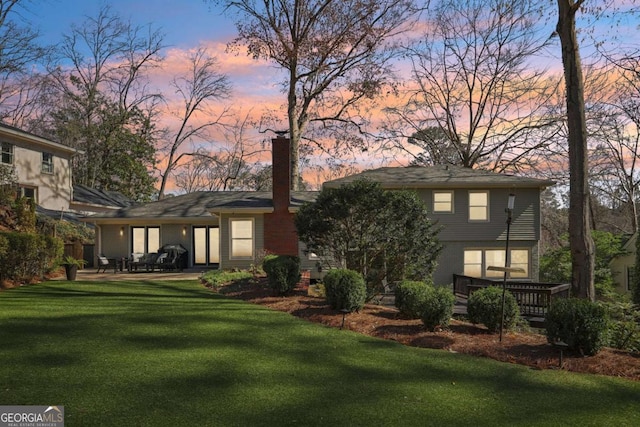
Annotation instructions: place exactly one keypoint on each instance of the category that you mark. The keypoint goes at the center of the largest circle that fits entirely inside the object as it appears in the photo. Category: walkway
(89, 274)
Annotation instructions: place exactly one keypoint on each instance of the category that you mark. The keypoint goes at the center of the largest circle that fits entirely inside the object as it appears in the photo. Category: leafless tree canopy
(335, 55)
(475, 85)
(201, 87)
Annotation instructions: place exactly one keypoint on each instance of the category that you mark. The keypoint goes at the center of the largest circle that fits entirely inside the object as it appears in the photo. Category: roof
(92, 196)
(441, 177)
(203, 204)
(35, 139)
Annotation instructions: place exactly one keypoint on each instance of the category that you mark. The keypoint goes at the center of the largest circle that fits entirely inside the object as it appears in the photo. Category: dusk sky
(186, 24)
(189, 24)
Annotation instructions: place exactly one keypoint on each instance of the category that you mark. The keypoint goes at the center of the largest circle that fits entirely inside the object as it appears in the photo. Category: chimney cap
(281, 133)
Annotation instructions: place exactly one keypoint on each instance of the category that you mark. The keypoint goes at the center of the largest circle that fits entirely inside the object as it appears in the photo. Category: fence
(533, 298)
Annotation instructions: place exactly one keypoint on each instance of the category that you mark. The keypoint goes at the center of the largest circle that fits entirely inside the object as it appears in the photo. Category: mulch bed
(524, 348)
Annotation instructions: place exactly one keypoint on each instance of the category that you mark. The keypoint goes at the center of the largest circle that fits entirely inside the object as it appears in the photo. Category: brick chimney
(281, 172)
(280, 236)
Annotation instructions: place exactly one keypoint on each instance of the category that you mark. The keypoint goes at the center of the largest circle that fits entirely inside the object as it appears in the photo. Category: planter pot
(71, 271)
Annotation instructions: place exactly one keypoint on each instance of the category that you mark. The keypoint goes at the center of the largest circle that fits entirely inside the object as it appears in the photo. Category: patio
(89, 274)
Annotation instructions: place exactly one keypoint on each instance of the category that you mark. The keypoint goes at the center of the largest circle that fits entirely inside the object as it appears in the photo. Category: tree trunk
(294, 130)
(580, 241)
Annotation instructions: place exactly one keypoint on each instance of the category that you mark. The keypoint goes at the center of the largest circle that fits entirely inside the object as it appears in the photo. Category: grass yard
(174, 354)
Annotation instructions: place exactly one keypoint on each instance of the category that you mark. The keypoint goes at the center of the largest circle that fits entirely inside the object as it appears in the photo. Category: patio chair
(104, 263)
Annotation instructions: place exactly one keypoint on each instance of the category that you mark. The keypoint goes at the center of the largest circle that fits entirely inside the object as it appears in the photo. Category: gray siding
(457, 227)
(225, 242)
(113, 245)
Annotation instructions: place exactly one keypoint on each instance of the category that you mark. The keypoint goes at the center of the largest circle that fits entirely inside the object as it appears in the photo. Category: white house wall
(54, 190)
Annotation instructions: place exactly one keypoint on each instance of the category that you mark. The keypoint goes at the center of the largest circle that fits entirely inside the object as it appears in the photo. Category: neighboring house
(623, 265)
(42, 167)
(43, 171)
(220, 229)
(87, 200)
(469, 205)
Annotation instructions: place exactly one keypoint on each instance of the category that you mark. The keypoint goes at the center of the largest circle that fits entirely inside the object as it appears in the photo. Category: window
(7, 153)
(476, 262)
(478, 206)
(47, 163)
(241, 238)
(473, 263)
(145, 239)
(28, 192)
(443, 201)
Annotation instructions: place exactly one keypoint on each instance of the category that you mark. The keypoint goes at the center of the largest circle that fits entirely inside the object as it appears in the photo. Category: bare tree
(615, 167)
(336, 55)
(476, 99)
(19, 53)
(231, 166)
(102, 104)
(203, 85)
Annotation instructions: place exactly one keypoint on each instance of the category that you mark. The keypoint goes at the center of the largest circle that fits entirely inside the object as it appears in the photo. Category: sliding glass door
(206, 245)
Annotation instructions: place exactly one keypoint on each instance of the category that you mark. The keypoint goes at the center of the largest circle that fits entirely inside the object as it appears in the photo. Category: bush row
(345, 290)
(28, 255)
(580, 324)
(485, 306)
(283, 272)
(421, 300)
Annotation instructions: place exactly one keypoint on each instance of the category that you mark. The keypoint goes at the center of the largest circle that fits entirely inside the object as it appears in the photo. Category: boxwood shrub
(485, 307)
(437, 307)
(579, 323)
(283, 272)
(345, 289)
(410, 297)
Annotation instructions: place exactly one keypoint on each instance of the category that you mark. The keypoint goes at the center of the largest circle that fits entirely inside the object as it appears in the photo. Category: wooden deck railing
(533, 298)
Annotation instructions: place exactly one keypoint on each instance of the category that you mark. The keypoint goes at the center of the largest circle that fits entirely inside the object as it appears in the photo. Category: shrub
(345, 289)
(437, 307)
(579, 323)
(624, 326)
(485, 306)
(28, 256)
(217, 278)
(409, 298)
(267, 262)
(283, 272)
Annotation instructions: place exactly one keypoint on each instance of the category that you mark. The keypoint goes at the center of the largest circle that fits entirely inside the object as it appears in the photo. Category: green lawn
(174, 354)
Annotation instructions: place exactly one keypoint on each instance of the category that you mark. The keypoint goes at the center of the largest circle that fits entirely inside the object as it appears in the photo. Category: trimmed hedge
(410, 298)
(485, 307)
(345, 289)
(283, 272)
(437, 308)
(579, 323)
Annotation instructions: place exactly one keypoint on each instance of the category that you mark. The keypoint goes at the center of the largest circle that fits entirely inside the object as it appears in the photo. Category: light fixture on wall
(121, 231)
(184, 230)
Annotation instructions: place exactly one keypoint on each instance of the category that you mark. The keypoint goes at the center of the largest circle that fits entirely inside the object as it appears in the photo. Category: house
(219, 229)
(87, 200)
(42, 167)
(622, 266)
(227, 229)
(469, 205)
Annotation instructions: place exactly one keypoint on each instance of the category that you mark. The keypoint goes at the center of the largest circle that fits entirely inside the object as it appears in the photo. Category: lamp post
(507, 258)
